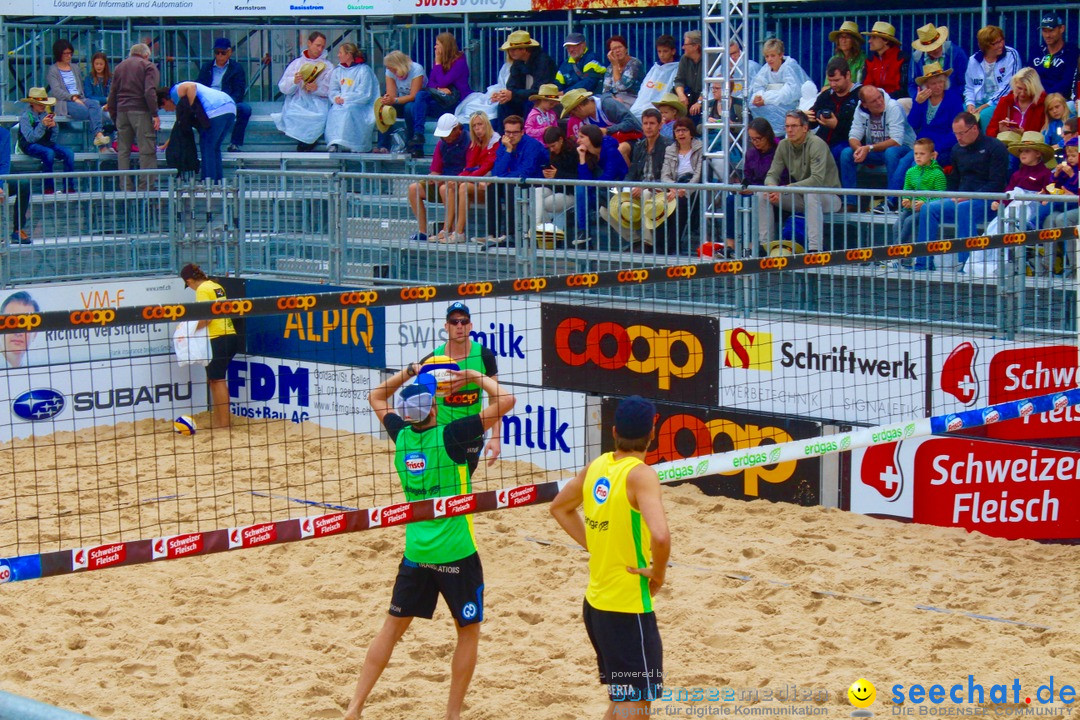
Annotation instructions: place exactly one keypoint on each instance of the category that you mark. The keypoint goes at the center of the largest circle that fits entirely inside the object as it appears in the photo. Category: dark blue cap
(458, 307)
(634, 417)
(1051, 20)
(574, 38)
(223, 44)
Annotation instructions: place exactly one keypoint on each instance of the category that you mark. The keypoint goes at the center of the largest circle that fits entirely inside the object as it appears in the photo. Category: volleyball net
(751, 402)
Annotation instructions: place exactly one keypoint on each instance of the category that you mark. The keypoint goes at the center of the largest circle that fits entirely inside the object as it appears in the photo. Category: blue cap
(415, 400)
(1051, 20)
(223, 44)
(634, 417)
(458, 307)
(574, 39)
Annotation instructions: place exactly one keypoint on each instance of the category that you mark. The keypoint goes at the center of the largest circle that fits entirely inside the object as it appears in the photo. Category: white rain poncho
(303, 116)
(780, 90)
(656, 83)
(352, 123)
(481, 101)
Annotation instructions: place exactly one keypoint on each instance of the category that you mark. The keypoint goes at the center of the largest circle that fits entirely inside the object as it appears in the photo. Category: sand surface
(761, 597)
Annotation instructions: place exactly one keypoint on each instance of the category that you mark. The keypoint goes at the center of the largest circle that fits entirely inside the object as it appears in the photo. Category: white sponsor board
(94, 337)
(39, 401)
(509, 327)
(261, 8)
(546, 428)
(333, 396)
(821, 371)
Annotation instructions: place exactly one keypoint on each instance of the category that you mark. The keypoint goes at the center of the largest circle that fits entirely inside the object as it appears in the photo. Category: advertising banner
(260, 8)
(352, 334)
(685, 432)
(665, 356)
(38, 401)
(93, 335)
(1001, 489)
(509, 327)
(972, 373)
(873, 376)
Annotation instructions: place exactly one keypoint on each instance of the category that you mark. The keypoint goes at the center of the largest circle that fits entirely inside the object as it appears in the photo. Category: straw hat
(572, 99)
(1009, 137)
(779, 248)
(624, 211)
(549, 236)
(930, 38)
(671, 100)
(309, 71)
(1033, 140)
(849, 28)
(547, 91)
(932, 70)
(39, 95)
(385, 115)
(883, 30)
(519, 39)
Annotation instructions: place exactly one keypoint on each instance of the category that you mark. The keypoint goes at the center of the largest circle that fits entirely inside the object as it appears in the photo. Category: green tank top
(427, 471)
(468, 400)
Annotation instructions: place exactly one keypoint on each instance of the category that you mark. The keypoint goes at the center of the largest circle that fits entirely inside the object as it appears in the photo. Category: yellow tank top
(617, 538)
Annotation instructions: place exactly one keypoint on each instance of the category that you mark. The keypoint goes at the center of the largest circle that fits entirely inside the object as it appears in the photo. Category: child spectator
(38, 133)
(671, 109)
(1057, 112)
(543, 114)
(1066, 175)
(924, 175)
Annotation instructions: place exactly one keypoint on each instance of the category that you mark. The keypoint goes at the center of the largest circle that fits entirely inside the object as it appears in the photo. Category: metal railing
(368, 228)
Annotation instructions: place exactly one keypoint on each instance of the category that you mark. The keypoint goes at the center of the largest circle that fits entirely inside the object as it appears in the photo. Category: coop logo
(659, 358)
(299, 302)
(682, 271)
(773, 263)
(365, 297)
(817, 259)
(881, 470)
(1014, 238)
(601, 490)
(941, 246)
(231, 307)
(858, 254)
(747, 350)
(478, 288)
(728, 267)
(164, 312)
(41, 404)
(632, 276)
(899, 250)
(958, 376)
(527, 284)
(415, 463)
(1050, 234)
(582, 280)
(20, 322)
(92, 317)
(749, 439)
(976, 243)
(425, 292)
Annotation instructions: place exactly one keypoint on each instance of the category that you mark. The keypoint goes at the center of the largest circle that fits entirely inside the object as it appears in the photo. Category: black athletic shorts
(223, 348)
(461, 583)
(628, 652)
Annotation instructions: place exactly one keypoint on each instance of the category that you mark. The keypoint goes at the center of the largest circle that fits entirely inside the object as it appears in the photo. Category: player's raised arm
(379, 397)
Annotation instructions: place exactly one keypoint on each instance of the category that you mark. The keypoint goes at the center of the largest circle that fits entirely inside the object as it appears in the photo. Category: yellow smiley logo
(862, 694)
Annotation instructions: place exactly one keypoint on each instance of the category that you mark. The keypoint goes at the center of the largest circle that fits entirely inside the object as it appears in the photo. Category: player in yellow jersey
(224, 342)
(626, 533)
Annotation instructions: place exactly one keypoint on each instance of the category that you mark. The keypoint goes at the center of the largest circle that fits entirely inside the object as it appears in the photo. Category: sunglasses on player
(459, 321)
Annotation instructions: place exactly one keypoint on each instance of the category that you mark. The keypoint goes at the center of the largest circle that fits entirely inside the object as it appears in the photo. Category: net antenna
(723, 22)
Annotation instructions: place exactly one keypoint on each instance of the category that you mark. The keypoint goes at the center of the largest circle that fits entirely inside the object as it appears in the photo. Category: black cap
(1051, 20)
(634, 417)
(458, 307)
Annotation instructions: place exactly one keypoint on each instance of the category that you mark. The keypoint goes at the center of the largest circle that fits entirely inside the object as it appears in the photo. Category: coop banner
(38, 401)
(873, 376)
(1001, 489)
(684, 432)
(260, 8)
(971, 373)
(352, 334)
(508, 327)
(94, 335)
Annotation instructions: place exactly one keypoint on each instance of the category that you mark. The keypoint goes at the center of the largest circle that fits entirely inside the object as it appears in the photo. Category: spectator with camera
(834, 109)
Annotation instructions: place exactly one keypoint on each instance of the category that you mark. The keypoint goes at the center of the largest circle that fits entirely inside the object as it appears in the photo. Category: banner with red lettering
(1002, 489)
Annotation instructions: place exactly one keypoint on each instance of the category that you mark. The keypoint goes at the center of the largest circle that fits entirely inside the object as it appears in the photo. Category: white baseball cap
(414, 401)
(447, 123)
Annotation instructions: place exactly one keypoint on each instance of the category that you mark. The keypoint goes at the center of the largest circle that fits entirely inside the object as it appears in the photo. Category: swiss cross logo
(176, 546)
(958, 376)
(881, 470)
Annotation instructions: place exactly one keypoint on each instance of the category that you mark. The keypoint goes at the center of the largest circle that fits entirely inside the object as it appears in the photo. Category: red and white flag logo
(881, 470)
(958, 376)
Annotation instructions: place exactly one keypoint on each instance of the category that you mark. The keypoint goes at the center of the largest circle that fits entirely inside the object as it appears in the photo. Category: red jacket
(478, 160)
(888, 72)
(1033, 119)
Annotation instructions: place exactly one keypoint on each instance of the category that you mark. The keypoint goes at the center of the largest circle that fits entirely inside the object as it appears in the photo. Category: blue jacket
(982, 166)
(612, 165)
(586, 72)
(234, 83)
(952, 57)
(527, 161)
(940, 128)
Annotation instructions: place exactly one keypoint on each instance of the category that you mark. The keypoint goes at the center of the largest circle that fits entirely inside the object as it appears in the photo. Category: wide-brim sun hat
(849, 28)
(385, 115)
(671, 100)
(572, 99)
(883, 30)
(657, 210)
(309, 71)
(1033, 140)
(39, 95)
(519, 39)
(932, 70)
(547, 91)
(929, 37)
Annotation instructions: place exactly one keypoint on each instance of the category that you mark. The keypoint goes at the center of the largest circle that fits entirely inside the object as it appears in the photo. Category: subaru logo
(42, 404)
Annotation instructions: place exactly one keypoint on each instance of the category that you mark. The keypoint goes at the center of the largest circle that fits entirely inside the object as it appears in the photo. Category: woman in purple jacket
(447, 84)
(759, 156)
